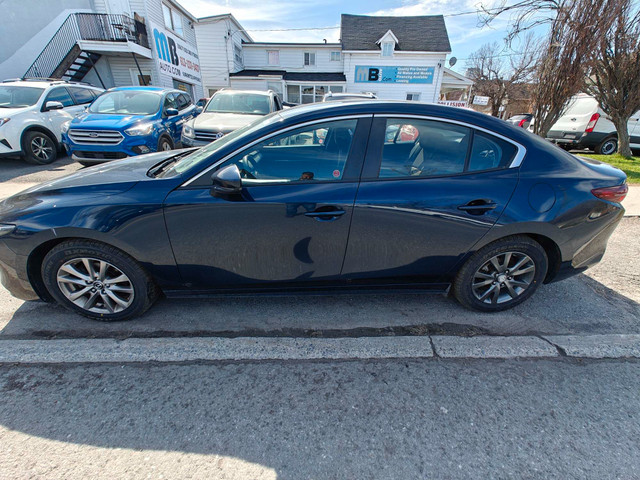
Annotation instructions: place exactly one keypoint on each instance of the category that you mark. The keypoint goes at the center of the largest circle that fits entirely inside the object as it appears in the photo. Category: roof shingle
(424, 33)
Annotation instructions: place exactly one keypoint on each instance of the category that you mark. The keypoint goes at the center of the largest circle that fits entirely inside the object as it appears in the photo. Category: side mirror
(53, 105)
(171, 112)
(227, 180)
(199, 110)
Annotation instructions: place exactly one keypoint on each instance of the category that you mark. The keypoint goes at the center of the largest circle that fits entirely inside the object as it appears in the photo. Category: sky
(263, 19)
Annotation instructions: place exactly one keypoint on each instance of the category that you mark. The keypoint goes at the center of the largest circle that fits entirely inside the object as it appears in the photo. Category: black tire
(144, 290)
(608, 146)
(517, 245)
(165, 144)
(38, 148)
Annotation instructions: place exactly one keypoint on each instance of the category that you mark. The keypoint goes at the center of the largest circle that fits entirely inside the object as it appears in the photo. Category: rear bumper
(576, 139)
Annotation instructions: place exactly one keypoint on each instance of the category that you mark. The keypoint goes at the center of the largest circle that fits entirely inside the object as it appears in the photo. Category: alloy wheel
(166, 147)
(41, 148)
(503, 277)
(95, 285)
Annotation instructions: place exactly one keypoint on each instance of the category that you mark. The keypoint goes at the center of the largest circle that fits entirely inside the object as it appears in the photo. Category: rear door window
(423, 148)
(82, 96)
(183, 101)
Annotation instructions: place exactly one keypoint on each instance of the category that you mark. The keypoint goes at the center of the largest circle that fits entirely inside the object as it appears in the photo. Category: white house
(394, 57)
(103, 42)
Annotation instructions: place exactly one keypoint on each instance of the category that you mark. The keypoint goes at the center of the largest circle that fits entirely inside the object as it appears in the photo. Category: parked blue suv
(128, 121)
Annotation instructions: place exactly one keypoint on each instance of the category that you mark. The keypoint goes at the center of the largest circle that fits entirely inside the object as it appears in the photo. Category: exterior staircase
(63, 56)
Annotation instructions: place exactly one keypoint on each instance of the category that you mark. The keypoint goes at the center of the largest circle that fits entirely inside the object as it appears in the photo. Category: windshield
(15, 97)
(201, 155)
(127, 102)
(234, 102)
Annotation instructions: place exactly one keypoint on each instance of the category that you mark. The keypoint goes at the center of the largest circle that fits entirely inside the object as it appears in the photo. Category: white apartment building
(106, 43)
(399, 58)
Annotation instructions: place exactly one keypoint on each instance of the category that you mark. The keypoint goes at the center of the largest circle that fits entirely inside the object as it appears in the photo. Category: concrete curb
(492, 347)
(598, 346)
(286, 348)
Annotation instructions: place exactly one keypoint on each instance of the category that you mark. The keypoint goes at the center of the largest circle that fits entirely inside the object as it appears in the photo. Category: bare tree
(565, 55)
(615, 71)
(494, 77)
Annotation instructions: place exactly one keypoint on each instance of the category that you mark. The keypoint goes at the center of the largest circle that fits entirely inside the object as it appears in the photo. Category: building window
(172, 19)
(413, 96)
(310, 93)
(273, 57)
(387, 49)
(293, 93)
(309, 59)
(335, 56)
(237, 54)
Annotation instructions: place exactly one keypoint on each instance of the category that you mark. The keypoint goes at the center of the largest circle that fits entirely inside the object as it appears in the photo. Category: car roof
(145, 89)
(46, 83)
(258, 92)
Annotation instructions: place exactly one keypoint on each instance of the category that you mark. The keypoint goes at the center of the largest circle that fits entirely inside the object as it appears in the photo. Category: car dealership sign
(175, 57)
(367, 74)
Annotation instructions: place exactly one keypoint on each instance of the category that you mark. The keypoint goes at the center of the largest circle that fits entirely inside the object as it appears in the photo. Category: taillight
(592, 123)
(611, 194)
(521, 124)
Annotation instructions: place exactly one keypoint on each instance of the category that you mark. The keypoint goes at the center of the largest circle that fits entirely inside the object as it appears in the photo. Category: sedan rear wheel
(501, 275)
(97, 281)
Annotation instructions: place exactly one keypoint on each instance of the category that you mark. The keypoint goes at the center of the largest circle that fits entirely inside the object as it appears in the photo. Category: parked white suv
(32, 113)
(585, 125)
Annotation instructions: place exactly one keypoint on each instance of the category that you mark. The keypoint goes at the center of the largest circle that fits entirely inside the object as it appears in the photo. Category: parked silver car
(226, 111)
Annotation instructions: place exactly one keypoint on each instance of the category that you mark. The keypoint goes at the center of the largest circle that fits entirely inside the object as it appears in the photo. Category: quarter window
(490, 152)
(423, 148)
(308, 154)
(60, 95)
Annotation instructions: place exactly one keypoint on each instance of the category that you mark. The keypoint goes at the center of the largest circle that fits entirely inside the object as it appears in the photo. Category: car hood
(9, 112)
(90, 121)
(223, 122)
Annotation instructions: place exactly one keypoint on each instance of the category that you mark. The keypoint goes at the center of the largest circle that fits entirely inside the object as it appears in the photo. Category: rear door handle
(325, 215)
(478, 207)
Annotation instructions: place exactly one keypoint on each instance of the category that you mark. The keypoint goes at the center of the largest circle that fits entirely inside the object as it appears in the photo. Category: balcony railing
(86, 26)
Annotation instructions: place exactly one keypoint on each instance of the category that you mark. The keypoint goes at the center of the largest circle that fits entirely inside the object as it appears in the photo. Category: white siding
(429, 92)
(292, 58)
(243, 84)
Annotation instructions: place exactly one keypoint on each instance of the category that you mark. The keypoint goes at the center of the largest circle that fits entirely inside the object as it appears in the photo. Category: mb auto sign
(367, 74)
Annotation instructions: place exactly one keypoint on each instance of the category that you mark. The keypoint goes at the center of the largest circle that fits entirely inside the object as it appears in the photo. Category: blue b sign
(366, 74)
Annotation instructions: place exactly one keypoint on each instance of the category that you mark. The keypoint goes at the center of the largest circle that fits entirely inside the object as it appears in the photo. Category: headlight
(142, 129)
(65, 126)
(4, 120)
(6, 229)
(187, 131)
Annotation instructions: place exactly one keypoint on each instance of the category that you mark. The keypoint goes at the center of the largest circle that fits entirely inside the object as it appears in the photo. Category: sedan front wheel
(97, 281)
(501, 275)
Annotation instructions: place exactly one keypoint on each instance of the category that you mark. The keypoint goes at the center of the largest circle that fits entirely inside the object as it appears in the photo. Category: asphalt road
(408, 419)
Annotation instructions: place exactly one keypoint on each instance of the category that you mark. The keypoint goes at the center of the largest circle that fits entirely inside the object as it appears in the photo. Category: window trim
(331, 59)
(517, 159)
(195, 177)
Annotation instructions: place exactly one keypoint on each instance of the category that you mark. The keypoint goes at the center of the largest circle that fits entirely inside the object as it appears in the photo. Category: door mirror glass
(53, 105)
(171, 112)
(227, 180)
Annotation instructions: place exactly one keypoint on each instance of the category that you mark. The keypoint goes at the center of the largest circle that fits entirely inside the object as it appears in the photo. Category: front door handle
(478, 207)
(325, 215)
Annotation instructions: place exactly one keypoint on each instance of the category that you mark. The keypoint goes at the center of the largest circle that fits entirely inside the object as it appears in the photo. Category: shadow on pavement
(579, 305)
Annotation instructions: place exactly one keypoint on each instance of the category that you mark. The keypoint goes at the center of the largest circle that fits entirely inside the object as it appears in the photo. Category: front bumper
(192, 142)
(13, 274)
(94, 154)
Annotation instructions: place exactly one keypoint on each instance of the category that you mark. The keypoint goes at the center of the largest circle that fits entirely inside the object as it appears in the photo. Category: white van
(585, 125)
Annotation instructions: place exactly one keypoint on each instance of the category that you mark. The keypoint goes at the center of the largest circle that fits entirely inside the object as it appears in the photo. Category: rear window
(581, 106)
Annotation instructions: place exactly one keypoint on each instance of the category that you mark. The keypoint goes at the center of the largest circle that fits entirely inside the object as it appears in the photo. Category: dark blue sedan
(323, 198)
